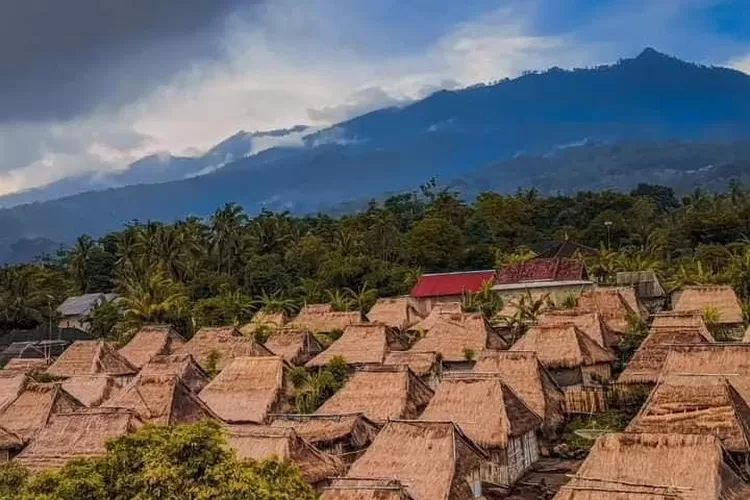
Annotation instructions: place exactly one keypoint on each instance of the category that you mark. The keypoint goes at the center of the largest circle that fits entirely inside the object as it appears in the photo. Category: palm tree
(226, 225)
(738, 271)
(310, 290)
(276, 303)
(693, 274)
(340, 301)
(154, 298)
(412, 276)
(78, 259)
(363, 299)
(604, 265)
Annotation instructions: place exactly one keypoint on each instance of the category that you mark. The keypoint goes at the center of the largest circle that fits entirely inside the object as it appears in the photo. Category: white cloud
(741, 63)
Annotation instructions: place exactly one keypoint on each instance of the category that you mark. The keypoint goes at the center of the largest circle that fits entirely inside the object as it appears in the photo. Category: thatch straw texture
(381, 393)
(321, 318)
(365, 489)
(654, 466)
(26, 365)
(362, 344)
(248, 389)
(92, 390)
(483, 406)
(589, 322)
(161, 399)
(432, 459)
(523, 372)
(266, 320)
(439, 312)
(9, 440)
(226, 342)
(396, 312)
(260, 442)
(563, 347)
(701, 298)
(696, 404)
(295, 346)
(76, 435)
(324, 430)
(91, 357)
(421, 363)
(11, 385)
(32, 408)
(150, 341)
(646, 365)
(613, 306)
(453, 337)
(723, 359)
(180, 365)
(681, 319)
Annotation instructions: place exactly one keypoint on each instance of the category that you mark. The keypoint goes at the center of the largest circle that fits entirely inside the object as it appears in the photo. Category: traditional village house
(428, 365)
(730, 359)
(261, 442)
(440, 311)
(648, 288)
(396, 312)
(26, 365)
(361, 345)
(92, 390)
(717, 302)
(697, 404)
(249, 389)
(645, 367)
(494, 417)
(32, 352)
(344, 436)
(163, 400)
(459, 339)
(589, 321)
(92, 357)
(76, 435)
(215, 348)
(523, 372)
(380, 393)
(34, 406)
(264, 319)
(617, 306)
(297, 347)
(434, 460)
(74, 310)
(10, 444)
(150, 341)
(432, 289)
(680, 319)
(558, 278)
(12, 384)
(655, 467)
(365, 489)
(321, 318)
(180, 365)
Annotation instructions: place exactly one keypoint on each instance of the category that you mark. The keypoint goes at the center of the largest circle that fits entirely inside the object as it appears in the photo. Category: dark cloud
(61, 58)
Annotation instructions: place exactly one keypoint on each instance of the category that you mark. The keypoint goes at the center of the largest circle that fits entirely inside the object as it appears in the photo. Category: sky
(90, 86)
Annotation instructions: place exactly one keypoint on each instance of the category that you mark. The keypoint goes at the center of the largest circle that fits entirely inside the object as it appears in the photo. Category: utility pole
(608, 224)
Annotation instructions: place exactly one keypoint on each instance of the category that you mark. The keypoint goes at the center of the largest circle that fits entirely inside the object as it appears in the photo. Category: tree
(78, 260)
(435, 244)
(276, 303)
(102, 318)
(312, 389)
(230, 307)
(226, 225)
(363, 299)
(153, 298)
(340, 301)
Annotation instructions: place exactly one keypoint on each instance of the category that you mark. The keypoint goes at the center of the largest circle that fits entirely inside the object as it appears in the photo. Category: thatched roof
(91, 357)
(30, 411)
(421, 363)
(646, 364)
(654, 466)
(483, 406)
(646, 283)
(365, 489)
(696, 404)
(248, 389)
(523, 372)
(295, 346)
(453, 336)
(381, 393)
(266, 319)
(361, 344)
(432, 459)
(260, 442)
(719, 358)
(9, 440)
(680, 319)
(150, 341)
(563, 347)
(396, 312)
(227, 342)
(439, 311)
(76, 435)
(26, 365)
(181, 365)
(719, 297)
(614, 304)
(161, 399)
(321, 318)
(589, 321)
(92, 390)
(11, 385)
(321, 430)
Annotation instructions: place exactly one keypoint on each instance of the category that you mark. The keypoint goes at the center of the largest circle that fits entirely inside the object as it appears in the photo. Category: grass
(610, 421)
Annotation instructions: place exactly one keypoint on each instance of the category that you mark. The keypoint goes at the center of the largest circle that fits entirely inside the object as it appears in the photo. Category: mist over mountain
(652, 118)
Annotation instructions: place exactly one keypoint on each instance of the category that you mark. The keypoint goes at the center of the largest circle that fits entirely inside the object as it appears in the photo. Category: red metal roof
(541, 270)
(447, 284)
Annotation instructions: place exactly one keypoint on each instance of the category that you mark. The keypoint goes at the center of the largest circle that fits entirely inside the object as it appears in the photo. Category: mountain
(558, 129)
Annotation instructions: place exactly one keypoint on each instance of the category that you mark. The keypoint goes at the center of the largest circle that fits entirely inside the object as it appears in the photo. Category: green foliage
(312, 389)
(485, 301)
(568, 302)
(103, 318)
(469, 354)
(212, 361)
(261, 333)
(230, 307)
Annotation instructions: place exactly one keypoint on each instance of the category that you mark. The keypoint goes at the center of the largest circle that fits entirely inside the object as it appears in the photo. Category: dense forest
(221, 270)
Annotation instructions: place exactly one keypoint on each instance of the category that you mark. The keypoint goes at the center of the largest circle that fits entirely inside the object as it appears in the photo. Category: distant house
(558, 277)
(183, 366)
(297, 347)
(433, 289)
(12, 383)
(219, 346)
(494, 417)
(440, 311)
(38, 350)
(589, 321)
(360, 345)
(730, 359)
(648, 288)
(618, 306)
(74, 310)
(150, 341)
(26, 365)
(92, 390)
(28, 413)
(321, 318)
(396, 312)
(427, 365)
(92, 357)
(365, 489)
(715, 300)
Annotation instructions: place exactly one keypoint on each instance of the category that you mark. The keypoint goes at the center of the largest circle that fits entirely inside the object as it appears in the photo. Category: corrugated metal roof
(450, 284)
(82, 304)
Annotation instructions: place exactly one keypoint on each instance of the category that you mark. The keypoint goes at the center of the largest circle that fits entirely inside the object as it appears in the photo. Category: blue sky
(255, 64)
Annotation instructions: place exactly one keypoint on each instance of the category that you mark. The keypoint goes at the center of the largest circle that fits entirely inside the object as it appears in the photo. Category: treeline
(221, 270)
